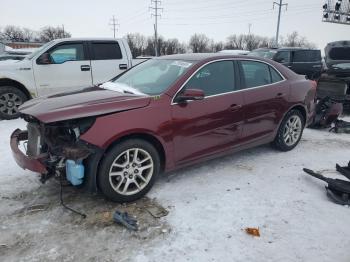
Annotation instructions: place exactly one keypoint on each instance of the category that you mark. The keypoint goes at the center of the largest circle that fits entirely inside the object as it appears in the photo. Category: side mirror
(44, 59)
(190, 95)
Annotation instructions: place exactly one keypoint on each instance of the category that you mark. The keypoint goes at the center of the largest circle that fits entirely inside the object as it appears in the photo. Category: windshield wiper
(121, 88)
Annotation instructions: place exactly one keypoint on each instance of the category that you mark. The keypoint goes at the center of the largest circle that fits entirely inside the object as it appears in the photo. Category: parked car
(234, 52)
(335, 80)
(61, 65)
(5, 57)
(163, 114)
(302, 61)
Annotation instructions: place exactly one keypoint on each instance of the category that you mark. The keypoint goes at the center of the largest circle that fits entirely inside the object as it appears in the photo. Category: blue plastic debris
(75, 172)
(124, 219)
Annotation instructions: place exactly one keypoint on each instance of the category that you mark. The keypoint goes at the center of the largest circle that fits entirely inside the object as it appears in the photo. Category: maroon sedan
(163, 114)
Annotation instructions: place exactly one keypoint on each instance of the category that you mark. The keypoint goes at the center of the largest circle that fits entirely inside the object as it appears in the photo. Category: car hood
(92, 101)
(337, 53)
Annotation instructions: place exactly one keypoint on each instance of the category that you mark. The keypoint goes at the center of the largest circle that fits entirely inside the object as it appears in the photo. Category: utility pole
(280, 4)
(64, 35)
(155, 8)
(249, 27)
(114, 24)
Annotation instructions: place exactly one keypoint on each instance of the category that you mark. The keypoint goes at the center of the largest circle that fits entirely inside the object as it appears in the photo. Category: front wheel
(129, 170)
(290, 131)
(10, 100)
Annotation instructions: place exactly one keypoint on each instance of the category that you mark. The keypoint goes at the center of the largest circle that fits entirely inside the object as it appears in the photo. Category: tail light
(313, 84)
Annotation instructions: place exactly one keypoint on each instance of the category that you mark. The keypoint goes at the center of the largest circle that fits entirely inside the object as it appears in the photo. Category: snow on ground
(209, 206)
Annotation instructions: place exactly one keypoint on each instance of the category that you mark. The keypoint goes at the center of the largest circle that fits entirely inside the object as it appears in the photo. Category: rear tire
(129, 170)
(290, 131)
(10, 99)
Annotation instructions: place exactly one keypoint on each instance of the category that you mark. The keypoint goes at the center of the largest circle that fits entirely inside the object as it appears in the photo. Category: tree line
(21, 34)
(141, 45)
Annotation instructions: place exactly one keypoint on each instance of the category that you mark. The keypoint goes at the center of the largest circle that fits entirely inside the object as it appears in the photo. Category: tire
(116, 173)
(285, 130)
(10, 99)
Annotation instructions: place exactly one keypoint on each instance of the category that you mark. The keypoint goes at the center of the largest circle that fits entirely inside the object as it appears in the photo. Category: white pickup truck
(61, 65)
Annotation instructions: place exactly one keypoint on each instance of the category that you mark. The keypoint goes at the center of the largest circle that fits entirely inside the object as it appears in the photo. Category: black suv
(302, 61)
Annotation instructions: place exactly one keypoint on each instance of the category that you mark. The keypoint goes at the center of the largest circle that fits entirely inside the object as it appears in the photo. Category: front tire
(10, 100)
(129, 170)
(290, 131)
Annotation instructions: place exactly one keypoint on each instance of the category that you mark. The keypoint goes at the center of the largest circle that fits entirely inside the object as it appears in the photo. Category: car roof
(199, 56)
(297, 48)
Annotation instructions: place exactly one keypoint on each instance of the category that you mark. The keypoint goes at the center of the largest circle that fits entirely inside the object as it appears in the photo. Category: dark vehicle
(302, 61)
(163, 114)
(335, 80)
(11, 57)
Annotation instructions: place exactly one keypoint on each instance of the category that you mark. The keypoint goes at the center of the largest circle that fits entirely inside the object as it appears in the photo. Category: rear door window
(259, 74)
(106, 51)
(307, 56)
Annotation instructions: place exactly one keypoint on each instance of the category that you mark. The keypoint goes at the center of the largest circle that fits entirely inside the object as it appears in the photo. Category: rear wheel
(129, 170)
(10, 99)
(290, 131)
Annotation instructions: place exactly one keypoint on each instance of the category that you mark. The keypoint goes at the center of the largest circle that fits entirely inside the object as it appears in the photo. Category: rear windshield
(340, 53)
(307, 56)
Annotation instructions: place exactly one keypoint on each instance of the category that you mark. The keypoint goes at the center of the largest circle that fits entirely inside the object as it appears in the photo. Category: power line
(155, 8)
(280, 5)
(114, 23)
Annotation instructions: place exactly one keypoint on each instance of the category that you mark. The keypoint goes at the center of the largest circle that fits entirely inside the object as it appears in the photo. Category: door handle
(85, 68)
(280, 95)
(123, 66)
(235, 107)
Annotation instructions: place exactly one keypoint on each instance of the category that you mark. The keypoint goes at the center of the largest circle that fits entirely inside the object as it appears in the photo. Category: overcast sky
(180, 18)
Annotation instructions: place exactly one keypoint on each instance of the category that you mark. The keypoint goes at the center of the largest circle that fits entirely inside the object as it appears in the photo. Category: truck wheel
(129, 170)
(290, 131)
(10, 99)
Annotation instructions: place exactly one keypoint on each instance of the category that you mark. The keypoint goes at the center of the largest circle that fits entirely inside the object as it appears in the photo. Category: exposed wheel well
(149, 138)
(10, 82)
(302, 110)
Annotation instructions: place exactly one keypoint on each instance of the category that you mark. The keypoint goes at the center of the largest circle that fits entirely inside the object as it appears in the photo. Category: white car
(71, 62)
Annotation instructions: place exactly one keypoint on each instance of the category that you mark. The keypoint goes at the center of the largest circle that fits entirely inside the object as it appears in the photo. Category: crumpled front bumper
(21, 159)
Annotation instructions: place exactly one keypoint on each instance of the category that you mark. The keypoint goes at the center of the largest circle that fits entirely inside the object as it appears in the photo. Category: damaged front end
(54, 149)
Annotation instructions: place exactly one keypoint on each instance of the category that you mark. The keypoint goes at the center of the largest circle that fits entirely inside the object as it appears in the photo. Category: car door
(107, 60)
(214, 123)
(67, 68)
(307, 62)
(265, 96)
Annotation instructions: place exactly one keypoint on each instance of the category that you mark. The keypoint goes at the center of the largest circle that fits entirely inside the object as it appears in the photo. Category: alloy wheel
(9, 103)
(131, 171)
(292, 130)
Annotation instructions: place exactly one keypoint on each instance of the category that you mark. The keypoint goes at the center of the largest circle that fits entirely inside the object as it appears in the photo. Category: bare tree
(50, 33)
(12, 33)
(294, 40)
(199, 43)
(137, 44)
(235, 42)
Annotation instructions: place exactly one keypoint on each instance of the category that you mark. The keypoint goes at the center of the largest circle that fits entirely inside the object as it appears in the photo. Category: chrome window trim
(234, 91)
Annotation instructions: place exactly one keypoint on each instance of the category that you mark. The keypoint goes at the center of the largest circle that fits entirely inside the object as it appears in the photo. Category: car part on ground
(341, 126)
(124, 219)
(167, 113)
(337, 190)
(344, 170)
(326, 113)
(11, 98)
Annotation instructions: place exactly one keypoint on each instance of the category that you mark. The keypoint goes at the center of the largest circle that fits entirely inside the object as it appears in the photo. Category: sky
(179, 18)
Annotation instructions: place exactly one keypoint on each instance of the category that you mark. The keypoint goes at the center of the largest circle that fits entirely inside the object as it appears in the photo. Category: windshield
(263, 53)
(38, 50)
(152, 77)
